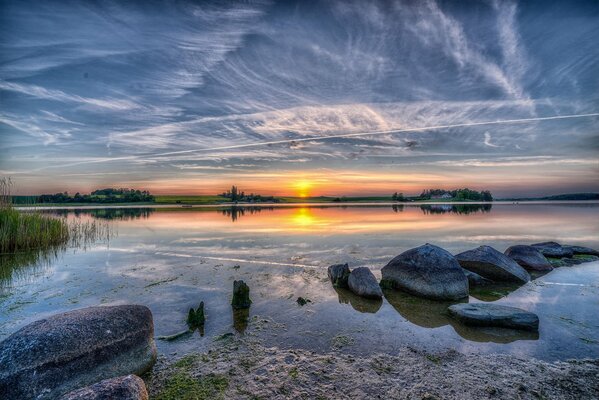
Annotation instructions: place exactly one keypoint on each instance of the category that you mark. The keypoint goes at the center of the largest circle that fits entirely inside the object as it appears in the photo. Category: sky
(300, 97)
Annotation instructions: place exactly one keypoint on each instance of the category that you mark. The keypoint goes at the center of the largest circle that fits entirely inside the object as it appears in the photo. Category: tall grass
(23, 231)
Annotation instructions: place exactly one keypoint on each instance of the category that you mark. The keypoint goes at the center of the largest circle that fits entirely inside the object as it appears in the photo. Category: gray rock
(582, 250)
(475, 279)
(528, 257)
(363, 283)
(128, 387)
(339, 274)
(491, 264)
(486, 314)
(553, 249)
(55, 355)
(427, 271)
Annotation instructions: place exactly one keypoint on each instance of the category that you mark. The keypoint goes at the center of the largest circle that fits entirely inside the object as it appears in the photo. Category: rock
(339, 274)
(475, 279)
(55, 355)
(491, 264)
(581, 250)
(363, 283)
(241, 295)
(553, 249)
(427, 271)
(128, 387)
(486, 314)
(528, 257)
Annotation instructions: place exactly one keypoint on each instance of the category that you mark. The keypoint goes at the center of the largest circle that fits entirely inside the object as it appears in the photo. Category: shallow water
(171, 259)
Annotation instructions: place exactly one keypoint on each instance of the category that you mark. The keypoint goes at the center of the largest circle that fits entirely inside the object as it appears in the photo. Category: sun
(303, 188)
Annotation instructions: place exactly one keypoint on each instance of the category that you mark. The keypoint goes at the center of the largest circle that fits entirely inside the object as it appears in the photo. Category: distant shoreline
(329, 204)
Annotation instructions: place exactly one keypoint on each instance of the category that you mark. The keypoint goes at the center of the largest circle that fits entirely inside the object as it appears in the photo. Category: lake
(170, 259)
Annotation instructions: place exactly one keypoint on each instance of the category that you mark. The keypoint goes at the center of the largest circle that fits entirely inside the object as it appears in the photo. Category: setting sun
(303, 188)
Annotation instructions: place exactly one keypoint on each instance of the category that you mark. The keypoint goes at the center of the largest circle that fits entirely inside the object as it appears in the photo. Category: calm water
(171, 259)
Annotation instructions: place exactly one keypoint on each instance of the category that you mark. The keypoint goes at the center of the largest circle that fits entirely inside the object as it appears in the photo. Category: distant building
(443, 196)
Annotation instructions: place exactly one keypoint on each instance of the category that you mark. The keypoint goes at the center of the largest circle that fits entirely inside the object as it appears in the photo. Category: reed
(24, 231)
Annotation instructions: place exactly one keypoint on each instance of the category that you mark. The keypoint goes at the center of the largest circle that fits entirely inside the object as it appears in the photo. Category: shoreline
(244, 367)
(292, 205)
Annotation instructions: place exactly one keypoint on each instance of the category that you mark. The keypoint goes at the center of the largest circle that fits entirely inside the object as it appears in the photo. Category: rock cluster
(360, 281)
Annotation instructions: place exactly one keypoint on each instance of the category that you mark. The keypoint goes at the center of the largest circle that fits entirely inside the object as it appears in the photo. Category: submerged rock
(553, 249)
(128, 387)
(581, 250)
(485, 314)
(475, 279)
(528, 257)
(302, 301)
(339, 274)
(241, 295)
(427, 271)
(363, 283)
(55, 355)
(491, 264)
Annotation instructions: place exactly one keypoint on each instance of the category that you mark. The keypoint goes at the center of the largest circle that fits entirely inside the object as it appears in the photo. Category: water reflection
(122, 214)
(234, 212)
(240, 319)
(433, 314)
(419, 311)
(358, 303)
(493, 291)
(24, 266)
(462, 209)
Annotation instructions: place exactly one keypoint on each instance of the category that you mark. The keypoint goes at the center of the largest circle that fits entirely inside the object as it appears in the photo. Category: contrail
(338, 136)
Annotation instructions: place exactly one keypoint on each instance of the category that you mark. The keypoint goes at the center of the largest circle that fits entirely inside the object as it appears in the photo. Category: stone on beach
(58, 354)
(491, 264)
(493, 315)
(553, 249)
(128, 387)
(427, 271)
(339, 274)
(528, 257)
(363, 283)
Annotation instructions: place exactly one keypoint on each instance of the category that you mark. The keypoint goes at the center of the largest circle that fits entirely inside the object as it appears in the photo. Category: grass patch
(182, 386)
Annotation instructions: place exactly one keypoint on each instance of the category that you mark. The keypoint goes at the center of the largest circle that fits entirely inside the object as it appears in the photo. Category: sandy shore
(244, 368)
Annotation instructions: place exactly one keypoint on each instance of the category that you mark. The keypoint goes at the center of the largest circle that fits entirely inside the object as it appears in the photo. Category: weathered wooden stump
(241, 295)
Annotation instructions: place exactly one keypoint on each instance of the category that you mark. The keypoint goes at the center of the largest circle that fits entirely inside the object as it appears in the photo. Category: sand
(242, 367)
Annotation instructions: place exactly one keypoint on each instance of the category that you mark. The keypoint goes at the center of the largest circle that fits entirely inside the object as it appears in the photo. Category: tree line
(108, 195)
(234, 194)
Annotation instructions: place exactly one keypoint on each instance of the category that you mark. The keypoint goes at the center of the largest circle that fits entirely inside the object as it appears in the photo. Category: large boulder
(553, 249)
(339, 274)
(581, 250)
(486, 314)
(128, 387)
(475, 279)
(427, 271)
(55, 355)
(491, 264)
(528, 257)
(363, 283)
